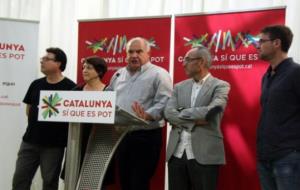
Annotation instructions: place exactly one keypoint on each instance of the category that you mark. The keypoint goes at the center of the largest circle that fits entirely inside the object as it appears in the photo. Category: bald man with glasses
(195, 148)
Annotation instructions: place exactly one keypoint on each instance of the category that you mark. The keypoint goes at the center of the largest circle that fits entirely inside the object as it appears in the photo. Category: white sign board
(77, 106)
(18, 68)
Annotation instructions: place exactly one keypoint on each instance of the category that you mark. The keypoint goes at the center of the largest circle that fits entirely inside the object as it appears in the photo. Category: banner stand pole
(73, 156)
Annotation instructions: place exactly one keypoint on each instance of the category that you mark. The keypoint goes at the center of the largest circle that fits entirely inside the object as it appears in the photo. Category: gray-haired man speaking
(143, 89)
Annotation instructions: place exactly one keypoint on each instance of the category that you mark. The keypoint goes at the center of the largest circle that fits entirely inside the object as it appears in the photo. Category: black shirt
(45, 133)
(279, 125)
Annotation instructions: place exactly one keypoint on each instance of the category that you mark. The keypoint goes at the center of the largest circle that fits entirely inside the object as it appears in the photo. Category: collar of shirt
(197, 86)
(201, 82)
(280, 67)
(145, 66)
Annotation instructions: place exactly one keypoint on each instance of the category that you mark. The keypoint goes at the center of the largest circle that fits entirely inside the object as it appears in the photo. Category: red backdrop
(107, 39)
(231, 38)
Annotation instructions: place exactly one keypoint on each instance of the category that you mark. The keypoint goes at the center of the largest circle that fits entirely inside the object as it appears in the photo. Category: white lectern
(84, 107)
(103, 142)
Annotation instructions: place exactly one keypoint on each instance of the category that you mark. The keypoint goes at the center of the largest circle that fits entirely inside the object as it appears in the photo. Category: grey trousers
(30, 157)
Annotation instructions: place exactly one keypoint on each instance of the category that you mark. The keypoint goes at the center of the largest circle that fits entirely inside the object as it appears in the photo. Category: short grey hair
(145, 41)
(204, 53)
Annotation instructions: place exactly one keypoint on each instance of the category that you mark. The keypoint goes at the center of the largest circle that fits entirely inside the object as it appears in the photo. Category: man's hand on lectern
(140, 112)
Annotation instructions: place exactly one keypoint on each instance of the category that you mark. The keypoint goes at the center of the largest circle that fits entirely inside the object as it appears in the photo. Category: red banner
(232, 37)
(108, 38)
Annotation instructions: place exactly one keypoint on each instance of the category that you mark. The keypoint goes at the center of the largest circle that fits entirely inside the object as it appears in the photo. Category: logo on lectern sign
(77, 106)
(51, 105)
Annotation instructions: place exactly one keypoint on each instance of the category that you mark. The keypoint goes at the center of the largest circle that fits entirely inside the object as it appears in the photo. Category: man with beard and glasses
(278, 134)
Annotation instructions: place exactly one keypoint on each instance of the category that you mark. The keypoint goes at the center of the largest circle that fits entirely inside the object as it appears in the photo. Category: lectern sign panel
(77, 106)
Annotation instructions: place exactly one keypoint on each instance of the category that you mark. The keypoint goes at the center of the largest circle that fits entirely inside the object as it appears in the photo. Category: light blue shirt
(151, 87)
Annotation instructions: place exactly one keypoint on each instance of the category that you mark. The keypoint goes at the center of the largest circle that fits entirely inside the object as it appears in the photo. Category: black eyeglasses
(261, 41)
(44, 59)
(187, 60)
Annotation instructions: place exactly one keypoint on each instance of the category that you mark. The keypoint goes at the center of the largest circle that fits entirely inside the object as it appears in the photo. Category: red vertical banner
(232, 38)
(108, 38)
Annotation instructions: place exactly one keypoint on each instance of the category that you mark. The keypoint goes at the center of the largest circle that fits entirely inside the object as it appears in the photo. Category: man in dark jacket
(278, 135)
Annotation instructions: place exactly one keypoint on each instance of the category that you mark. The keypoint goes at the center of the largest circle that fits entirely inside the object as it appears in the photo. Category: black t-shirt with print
(45, 133)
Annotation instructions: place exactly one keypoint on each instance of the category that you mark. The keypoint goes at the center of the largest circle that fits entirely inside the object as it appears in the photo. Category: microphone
(109, 87)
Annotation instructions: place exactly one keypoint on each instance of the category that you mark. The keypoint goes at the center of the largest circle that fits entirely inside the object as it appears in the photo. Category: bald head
(197, 62)
(145, 44)
(204, 53)
(138, 53)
